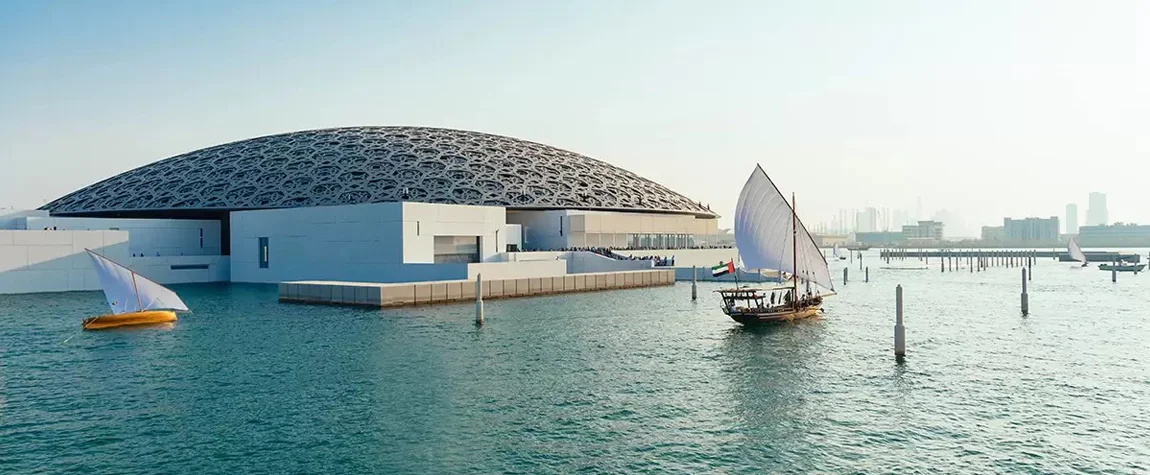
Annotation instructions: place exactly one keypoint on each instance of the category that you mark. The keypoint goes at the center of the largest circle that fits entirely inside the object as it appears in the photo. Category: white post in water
(845, 269)
(1025, 297)
(899, 330)
(694, 282)
(479, 299)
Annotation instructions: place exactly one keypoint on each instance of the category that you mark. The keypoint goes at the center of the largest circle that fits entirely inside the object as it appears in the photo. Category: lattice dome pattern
(372, 165)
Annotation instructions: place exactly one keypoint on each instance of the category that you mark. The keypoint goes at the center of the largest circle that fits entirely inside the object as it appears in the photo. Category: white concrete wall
(12, 218)
(541, 229)
(329, 242)
(517, 270)
(380, 242)
(531, 256)
(514, 233)
(423, 221)
(160, 269)
(55, 261)
(584, 262)
(148, 237)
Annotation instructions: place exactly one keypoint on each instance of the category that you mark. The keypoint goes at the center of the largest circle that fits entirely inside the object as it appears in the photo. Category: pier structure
(1005, 257)
(366, 294)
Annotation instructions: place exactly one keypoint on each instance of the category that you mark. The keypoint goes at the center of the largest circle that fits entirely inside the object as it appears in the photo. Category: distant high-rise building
(1071, 218)
(1096, 211)
(1030, 230)
(867, 221)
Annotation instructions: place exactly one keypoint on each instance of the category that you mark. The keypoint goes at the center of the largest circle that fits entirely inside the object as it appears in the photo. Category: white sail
(1075, 251)
(764, 235)
(128, 291)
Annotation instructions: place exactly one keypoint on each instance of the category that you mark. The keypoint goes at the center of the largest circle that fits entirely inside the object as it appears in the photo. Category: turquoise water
(626, 381)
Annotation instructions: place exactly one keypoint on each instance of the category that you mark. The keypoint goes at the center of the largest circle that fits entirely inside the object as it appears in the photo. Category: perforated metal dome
(372, 165)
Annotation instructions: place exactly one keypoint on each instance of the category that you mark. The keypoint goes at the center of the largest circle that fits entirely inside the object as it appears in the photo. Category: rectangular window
(189, 266)
(263, 253)
(201, 238)
(560, 225)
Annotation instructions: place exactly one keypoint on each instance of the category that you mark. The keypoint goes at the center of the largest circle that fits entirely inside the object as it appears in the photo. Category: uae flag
(723, 269)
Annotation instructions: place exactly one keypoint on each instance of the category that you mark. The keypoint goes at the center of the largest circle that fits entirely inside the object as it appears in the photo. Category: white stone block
(50, 257)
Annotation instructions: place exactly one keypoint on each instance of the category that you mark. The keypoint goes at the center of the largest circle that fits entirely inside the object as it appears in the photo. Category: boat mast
(794, 253)
(137, 290)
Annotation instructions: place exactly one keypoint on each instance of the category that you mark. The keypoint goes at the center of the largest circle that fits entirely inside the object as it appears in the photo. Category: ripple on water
(632, 381)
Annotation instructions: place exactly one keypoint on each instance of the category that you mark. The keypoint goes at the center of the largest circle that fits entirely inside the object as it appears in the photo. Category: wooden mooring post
(899, 329)
(479, 299)
(1025, 298)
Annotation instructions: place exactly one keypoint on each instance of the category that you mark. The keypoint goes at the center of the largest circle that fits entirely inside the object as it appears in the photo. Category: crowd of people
(660, 261)
(611, 253)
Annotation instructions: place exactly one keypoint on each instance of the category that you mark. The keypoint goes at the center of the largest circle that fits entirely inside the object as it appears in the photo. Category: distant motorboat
(1135, 268)
(134, 299)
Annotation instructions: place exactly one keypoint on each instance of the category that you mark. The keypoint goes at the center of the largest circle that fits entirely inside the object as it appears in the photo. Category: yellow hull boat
(148, 317)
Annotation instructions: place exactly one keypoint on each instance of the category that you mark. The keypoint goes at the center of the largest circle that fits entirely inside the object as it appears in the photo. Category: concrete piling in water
(1113, 275)
(866, 277)
(694, 283)
(899, 330)
(479, 299)
(845, 269)
(1030, 269)
(1025, 297)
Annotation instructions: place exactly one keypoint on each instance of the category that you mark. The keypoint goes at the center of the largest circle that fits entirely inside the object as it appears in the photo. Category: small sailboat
(769, 235)
(1076, 252)
(835, 252)
(134, 299)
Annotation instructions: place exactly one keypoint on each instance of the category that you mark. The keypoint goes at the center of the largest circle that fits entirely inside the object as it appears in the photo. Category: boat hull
(752, 318)
(150, 317)
(1135, 268)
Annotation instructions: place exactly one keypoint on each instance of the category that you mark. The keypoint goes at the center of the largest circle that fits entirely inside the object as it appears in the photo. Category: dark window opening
(263, 253)
(189, 266)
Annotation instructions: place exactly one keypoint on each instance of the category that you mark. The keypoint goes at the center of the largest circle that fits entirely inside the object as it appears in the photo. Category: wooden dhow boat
(769, 235)
(134, 299)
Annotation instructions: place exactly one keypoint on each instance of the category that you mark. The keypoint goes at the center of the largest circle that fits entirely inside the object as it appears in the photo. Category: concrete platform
(430, 293)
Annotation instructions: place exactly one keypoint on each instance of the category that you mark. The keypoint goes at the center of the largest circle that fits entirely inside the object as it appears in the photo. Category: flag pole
(794, 252)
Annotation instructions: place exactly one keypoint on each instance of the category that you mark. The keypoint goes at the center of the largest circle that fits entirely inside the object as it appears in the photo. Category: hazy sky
(992, 108)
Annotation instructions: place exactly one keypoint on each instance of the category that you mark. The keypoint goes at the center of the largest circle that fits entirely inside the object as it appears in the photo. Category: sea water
(639, 381)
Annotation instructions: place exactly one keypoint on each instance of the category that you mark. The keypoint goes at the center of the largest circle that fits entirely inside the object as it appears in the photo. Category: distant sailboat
(769, 235)
(1076, 252)
(835, 252)
(134, 299)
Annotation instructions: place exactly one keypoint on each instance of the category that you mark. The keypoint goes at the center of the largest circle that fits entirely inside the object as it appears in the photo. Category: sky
(986, 108)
